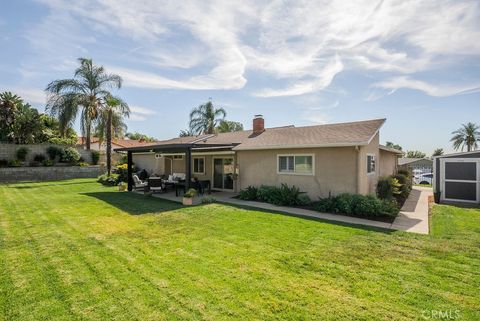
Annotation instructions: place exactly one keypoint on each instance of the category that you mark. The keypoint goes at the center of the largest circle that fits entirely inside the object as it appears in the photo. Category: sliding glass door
(223, 173)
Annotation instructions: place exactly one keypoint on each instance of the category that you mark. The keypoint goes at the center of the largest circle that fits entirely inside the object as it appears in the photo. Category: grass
(76, 250)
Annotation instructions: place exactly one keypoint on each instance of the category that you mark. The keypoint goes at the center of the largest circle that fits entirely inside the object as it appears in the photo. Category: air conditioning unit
(157, 156)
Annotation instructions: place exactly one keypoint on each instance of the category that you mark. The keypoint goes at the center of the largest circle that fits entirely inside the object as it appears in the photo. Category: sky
(415, 63)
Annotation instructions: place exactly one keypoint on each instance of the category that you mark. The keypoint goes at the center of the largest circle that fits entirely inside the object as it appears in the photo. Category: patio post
(129, 171)
(188, 167)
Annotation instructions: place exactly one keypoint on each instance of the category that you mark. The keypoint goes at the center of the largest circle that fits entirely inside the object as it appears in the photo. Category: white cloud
(33, 96)
(428, 88)
(319, 115)
(138, 113)
(303, 44)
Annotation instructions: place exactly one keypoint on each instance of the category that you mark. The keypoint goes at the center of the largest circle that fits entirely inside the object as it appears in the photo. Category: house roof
(330, 135)
(392, 150)
(406, 160)
(124, 143)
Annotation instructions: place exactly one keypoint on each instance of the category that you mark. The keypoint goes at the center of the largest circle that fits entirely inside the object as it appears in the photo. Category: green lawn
(75, 250)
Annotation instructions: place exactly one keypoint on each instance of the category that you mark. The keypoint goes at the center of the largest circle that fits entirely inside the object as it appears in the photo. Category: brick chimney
(258, 124)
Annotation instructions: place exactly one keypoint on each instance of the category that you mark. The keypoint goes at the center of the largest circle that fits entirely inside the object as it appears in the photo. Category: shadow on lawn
(344, 224)
(135, 204)
(38, 184)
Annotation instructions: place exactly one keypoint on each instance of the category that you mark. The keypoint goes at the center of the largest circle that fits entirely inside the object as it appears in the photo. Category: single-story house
(457, 177)
(422, 165)
(321, 160)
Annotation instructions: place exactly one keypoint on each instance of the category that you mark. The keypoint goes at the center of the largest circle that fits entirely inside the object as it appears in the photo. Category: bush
(83, 164)
(208, 200)
(39, 158)
(388, 187)
(14, 163)
(283, 195)
(406, 183)
(108, 181)
(122, 160)
(70, 155)
(53, 152)
(47, 162)
(122, 171)
(404, 172)
(95, 157)
(21, 154)
(190, 193)
(248, 194)
(357, 205)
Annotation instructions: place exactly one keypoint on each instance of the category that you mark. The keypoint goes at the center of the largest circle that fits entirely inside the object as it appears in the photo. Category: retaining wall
(7, 151)
(16, 174)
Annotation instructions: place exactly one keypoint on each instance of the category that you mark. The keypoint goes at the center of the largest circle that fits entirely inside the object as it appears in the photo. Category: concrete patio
(413, 216)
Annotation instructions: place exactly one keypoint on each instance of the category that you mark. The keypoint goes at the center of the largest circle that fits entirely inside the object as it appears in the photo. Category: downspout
(359, 187)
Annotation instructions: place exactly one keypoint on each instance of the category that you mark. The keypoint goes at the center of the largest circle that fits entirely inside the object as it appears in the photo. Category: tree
(227, 126)
(8, 107)
(84, 93)
(110, 124)
(205, 118)
(138, 136)
(466, 136)
(185, 133)
(28, 126)
(415, 154)
(438, 152)
(392, 145)
(51, 132)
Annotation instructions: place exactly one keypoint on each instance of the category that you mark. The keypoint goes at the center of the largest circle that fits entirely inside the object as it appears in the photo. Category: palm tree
(86, 91)
(227, 126)
(9, 104)
(468, 135)
(438, 152)
(110, 124)
(205, 118)
(185, 133)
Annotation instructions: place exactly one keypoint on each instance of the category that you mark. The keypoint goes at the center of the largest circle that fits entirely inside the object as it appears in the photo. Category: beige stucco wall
(335, 170)
(367, 182)
(148, 162)
(388, 163)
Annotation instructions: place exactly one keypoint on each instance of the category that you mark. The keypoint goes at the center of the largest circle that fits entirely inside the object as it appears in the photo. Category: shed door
(460, 179)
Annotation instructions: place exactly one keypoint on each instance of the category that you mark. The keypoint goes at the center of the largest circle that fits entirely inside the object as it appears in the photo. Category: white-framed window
(199, 165)
(296, 164)
(371, 163)
(179, 156)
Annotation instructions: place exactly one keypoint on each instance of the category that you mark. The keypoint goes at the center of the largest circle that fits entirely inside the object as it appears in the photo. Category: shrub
(21, 153)
(47, 162)
(248, 194)
(404, 172)
(95, 157)
(406, 183)
(122, 160)
(83, 164)
(122, 171)
(108, 181)
(3, 163)
(208, 200)
(190, 193)
(39, 158)
(357, 205)
(388, 187)
(53, 152)
(70, 155)
(283, 195)
(14, 163)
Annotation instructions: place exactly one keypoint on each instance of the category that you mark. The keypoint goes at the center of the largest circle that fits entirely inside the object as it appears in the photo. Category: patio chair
(155, 184)
(138, 183)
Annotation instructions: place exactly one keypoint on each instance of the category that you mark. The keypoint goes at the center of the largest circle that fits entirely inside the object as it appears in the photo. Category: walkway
(413, 216)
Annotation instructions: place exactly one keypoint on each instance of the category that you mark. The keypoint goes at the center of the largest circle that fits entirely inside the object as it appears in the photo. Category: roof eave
(239, 147)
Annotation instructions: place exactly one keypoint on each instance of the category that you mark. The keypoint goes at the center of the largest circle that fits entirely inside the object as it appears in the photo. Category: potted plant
(188, 196)
(122, 187)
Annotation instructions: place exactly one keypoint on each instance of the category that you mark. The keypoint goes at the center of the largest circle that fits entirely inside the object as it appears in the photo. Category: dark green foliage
(106, 180)
(39, 158)
(21, 153)
(283, 195)
(248, 194)
(385, 188)
(404, 172)
(122, 172)
(406, 183)
(95, 157)
(70, 155)
(208, 200)
(357, 205)
(47, 162)
(14, 163)
(53, 152)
